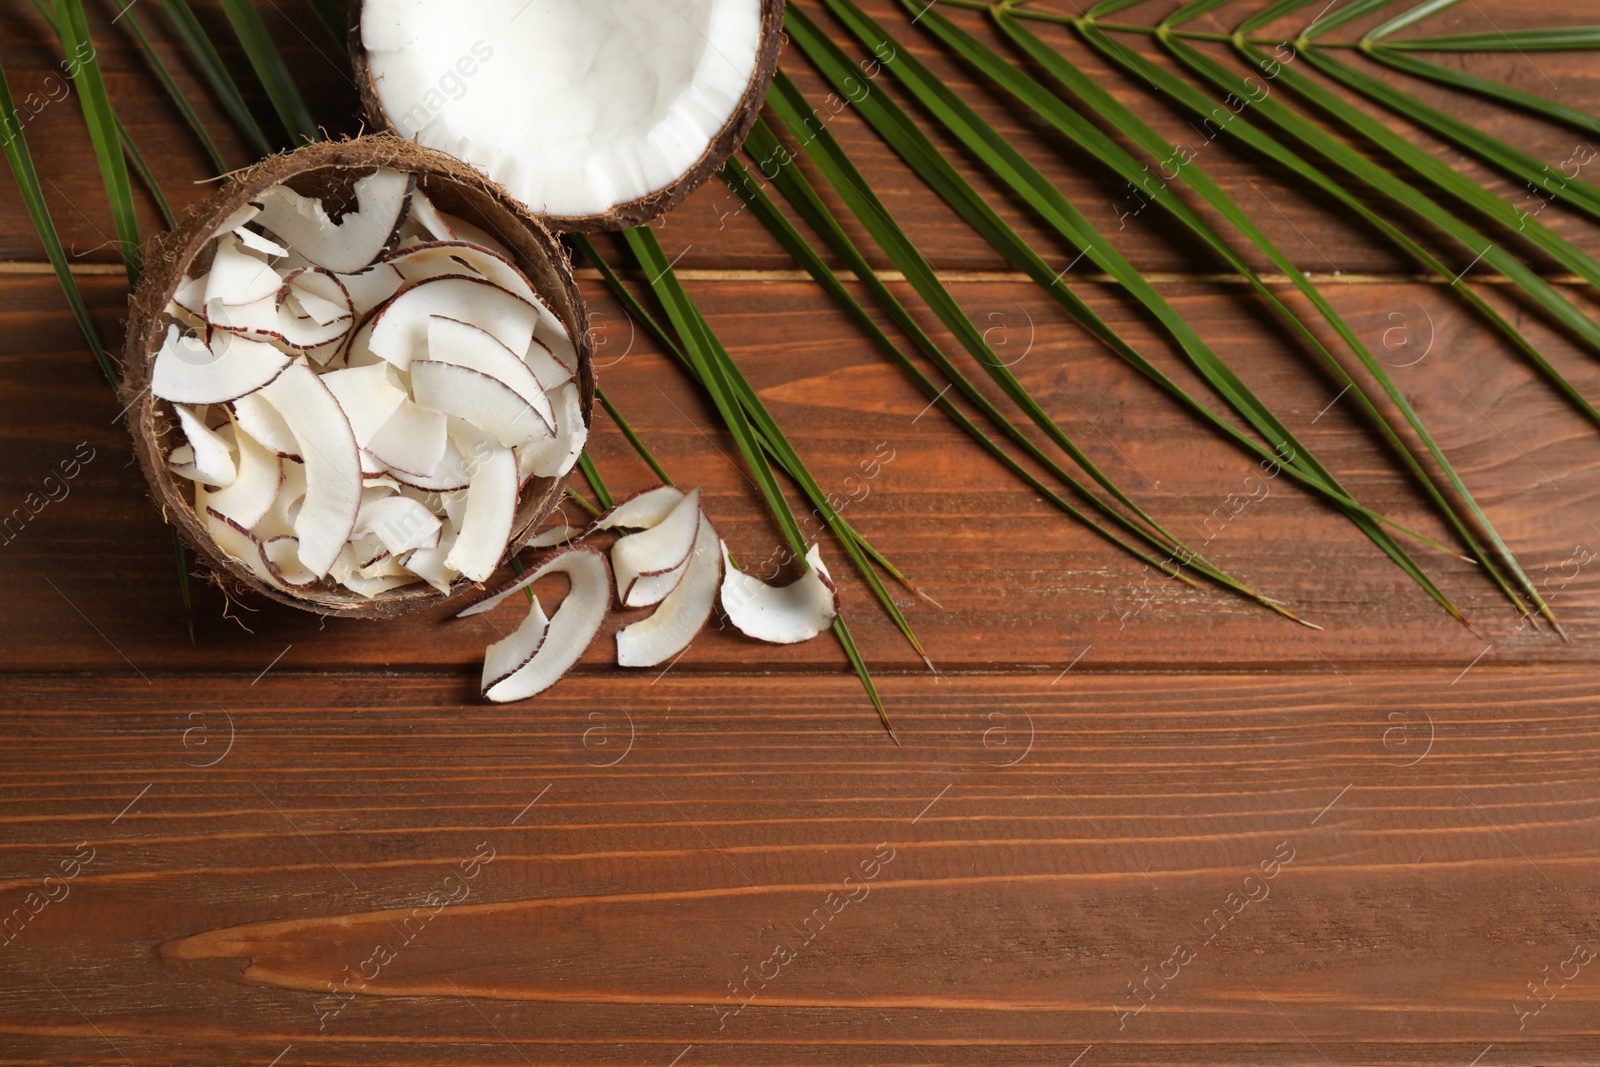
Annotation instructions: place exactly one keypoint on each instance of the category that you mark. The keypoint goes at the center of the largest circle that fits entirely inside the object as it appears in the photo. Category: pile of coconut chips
(362, 401)
(667, 557)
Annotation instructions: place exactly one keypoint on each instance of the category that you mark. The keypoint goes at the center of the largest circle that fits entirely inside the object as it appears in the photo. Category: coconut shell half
(328, 170)
(442, 73)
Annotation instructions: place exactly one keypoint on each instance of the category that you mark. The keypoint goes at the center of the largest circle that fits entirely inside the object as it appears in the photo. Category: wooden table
(1129, 823)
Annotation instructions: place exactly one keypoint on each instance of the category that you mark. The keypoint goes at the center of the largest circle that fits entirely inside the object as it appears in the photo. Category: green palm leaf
(1047, 202)
(73, 29)
(1564, 39)
(739, 179)
(779, 451)
(790, 106)
(204, 54)
(1505, 94)
(1090, 138)
(269, 65)
(174, 93)
(1240, 127)
(20, 160)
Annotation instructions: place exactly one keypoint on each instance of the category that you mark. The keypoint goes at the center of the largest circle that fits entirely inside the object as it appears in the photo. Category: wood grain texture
(1131, 823)
(1419, 848)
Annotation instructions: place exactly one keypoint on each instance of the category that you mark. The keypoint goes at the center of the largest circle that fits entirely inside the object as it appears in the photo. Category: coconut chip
(540, 651)
(783, 615)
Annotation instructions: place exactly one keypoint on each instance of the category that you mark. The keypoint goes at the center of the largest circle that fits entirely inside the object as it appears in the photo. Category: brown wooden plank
(1419, 847)
(91, 583)
(710, 230)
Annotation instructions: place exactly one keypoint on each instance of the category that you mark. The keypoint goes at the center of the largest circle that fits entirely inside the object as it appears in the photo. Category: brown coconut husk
(653, 205)
(328, 170)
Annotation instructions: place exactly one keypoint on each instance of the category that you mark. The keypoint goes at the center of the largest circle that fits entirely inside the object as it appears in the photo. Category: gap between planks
(980, 277)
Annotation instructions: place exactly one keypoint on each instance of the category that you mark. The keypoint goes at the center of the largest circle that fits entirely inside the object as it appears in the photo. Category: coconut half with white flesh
(597, 115)
(304, 474)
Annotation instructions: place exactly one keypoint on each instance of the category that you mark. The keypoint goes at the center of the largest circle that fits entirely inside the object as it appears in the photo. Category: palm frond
(996, 153)
(791, 108)
(20, 160)
(105, 131)
(779, 451)
(269, 65)
(175, 93)
(1191, 173)
(204, 55)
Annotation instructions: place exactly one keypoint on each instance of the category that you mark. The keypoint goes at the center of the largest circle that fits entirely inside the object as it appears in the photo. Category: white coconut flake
(782, 615)
(555, 456)
(250, 496)
(559, 534)
(367, 395)
(648, 564)
(261, 420)
(428, 218)
(682, 615)
(399, 523)
(414, 442)
(398, 332)
(644, 88)
(282, 558)
(535, 657)
(332, 464)
(356, 240)
(551, 372)
(491, 509)
(476, 398)
(238, 276)
(641, 510)
(188, 371)
(212, 454)
(458, 257)
(465, 345)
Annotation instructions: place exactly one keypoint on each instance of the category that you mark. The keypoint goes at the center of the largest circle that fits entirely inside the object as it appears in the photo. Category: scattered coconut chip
(535, 657)
(555, 535)
(332, 464)
(211, 454)
(648, 565)
(641, 510)
(476, 398)
(355, 241)
(782, 615)
(511, 653)
(682, 615)
(187, 371)
(491, 509)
